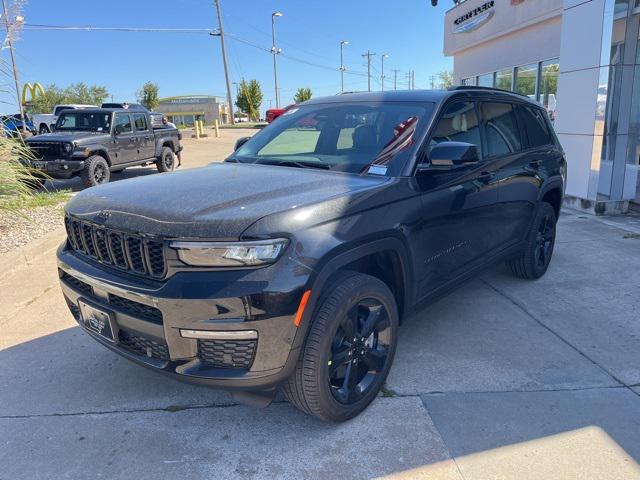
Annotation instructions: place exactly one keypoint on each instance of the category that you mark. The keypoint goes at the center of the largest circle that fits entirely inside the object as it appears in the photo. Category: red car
(274, 113)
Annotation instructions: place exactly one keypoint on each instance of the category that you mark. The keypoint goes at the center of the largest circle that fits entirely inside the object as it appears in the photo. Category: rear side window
(501, 129)
(140, 121)
(535, 125)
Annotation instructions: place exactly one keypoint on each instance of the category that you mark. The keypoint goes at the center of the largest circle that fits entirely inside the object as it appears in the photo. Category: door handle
(486, 177)
(535, 163)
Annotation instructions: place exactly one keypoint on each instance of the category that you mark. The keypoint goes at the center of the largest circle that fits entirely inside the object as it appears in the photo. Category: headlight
(67, 147)
(236, 254)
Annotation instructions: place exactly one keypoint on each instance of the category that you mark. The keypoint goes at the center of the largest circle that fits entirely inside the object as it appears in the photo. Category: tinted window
(124, 121)
(501, 129)
(140, 121)
(536, 127)
(458, 123)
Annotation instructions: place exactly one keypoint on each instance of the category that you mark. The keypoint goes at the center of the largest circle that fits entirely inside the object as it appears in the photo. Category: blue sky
(410, 31)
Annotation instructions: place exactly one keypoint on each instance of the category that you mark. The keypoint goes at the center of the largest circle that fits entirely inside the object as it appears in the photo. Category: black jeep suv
(291, 264)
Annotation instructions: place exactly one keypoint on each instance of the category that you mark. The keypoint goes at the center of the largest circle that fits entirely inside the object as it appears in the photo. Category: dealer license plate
(97, 321)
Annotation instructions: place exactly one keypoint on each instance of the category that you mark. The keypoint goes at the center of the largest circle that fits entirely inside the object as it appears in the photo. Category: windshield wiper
(296, 163)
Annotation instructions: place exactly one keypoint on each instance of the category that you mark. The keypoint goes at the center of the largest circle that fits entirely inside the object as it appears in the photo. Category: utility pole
(13, 62)
(409, 79)
(342, 67)
(395, 79)
(275, 51)
(384, 55)
(433, 81)
(413, 79)
(220, 34)
(368, 55)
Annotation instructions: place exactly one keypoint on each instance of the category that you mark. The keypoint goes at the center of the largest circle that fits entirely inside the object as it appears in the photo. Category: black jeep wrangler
(292, 264)
(94, 142)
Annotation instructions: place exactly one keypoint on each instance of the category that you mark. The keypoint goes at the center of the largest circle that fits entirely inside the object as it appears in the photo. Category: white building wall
(532, 44)
(577, 124)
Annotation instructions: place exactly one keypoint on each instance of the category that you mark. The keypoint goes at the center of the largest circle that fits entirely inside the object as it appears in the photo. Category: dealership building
(578, 58)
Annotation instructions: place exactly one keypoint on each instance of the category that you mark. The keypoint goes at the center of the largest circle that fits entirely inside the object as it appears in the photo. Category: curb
(33, 252)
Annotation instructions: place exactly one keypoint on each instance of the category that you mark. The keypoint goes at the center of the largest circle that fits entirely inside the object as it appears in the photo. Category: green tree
(302, 95)
(148, 95)
(75, 93)
(250, 98)
(446, 79)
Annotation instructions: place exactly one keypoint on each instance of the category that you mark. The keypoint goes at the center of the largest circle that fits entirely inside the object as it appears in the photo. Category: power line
(89, 28)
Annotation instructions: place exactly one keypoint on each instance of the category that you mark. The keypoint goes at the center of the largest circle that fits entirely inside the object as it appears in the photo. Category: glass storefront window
(485, 80)
(526, 77)
(504, 79)
(548, 88)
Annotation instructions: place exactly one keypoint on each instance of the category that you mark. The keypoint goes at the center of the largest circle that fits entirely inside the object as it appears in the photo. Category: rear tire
(166, 162)
(342, 366)
(96, 171)
(533, 261)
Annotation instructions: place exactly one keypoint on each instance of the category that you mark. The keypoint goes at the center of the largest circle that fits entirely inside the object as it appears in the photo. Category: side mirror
(451, 155)
(240, 142)
(118, 130)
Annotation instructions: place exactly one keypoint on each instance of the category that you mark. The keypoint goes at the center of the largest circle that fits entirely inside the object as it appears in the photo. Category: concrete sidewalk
(503, 379)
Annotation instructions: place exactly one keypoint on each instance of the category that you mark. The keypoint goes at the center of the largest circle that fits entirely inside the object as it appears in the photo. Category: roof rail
(489, 89)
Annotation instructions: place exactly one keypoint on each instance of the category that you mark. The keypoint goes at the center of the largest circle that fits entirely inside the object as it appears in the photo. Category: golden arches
(35, 90)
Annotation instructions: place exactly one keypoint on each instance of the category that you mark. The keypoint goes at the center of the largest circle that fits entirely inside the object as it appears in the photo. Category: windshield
(348, 137)
(89, 121)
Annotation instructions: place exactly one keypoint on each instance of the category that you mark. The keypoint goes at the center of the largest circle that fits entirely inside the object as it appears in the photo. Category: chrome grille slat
(126, 251)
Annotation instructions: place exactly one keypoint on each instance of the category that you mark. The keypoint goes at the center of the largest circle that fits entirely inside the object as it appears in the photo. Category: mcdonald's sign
(33, 91)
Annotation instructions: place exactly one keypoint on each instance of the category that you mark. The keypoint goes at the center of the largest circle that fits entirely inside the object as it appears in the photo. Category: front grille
(129, 252)
(142, 345)
(77, 284)
(227, 353)
(135, 309)
(46, 149)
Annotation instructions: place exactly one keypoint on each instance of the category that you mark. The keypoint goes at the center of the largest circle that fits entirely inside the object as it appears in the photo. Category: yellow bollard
(217, 127)
(196, 129)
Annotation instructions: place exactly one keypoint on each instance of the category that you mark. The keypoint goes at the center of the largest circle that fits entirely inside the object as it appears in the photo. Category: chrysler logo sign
(474, 18)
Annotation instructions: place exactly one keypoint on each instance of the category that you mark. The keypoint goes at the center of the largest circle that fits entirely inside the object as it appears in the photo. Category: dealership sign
(474, 18)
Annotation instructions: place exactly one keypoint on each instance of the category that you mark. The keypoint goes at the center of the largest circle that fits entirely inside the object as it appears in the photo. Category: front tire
(533, 261)
(349, 349)
(166, 162)
(43, 129)
(96, 171)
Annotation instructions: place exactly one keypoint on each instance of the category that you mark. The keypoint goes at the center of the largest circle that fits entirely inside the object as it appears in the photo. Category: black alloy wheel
(544, 241)
(359, 351)
(349, 348)
(166, 162)
(534, 259)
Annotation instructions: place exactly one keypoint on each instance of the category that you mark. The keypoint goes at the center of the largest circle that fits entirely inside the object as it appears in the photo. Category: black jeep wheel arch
(341, 259)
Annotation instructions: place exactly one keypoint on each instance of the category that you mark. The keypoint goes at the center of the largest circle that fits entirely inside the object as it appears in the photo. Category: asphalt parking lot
(502, 379)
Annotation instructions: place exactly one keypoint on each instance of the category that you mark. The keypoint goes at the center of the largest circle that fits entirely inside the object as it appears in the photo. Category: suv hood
(216, 202)
(73, 136)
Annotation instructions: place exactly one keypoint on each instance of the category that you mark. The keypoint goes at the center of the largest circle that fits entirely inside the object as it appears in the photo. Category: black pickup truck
(94, 142)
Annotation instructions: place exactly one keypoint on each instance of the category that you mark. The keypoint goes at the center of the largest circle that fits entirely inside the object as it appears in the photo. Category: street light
(342, 68)
(275, 51)
(384, 55)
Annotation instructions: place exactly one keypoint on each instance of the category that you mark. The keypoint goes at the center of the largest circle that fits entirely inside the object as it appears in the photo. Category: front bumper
(245, 321)
(57, 168)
